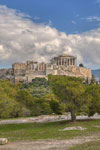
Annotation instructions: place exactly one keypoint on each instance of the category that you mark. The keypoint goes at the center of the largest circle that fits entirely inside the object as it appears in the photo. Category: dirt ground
(46, 118)
(47, 144)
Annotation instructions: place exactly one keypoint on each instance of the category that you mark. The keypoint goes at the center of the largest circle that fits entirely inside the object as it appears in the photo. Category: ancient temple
(67, 60)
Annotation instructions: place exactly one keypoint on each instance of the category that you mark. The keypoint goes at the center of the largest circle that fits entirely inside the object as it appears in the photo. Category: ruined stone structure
(66, 60)
(61, 65)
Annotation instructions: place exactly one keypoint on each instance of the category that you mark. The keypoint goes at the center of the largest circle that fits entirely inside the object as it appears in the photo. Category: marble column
(61, 62)
(73, 61)
(64, 61)
(69, 62)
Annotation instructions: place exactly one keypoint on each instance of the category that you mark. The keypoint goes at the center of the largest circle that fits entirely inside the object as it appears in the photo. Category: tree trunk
(73, 116)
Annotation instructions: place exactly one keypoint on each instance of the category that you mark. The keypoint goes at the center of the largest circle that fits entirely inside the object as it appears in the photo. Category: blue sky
(70, 16)
(41, 29)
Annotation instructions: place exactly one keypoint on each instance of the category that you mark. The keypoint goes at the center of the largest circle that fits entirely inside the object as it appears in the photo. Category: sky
(41, 29)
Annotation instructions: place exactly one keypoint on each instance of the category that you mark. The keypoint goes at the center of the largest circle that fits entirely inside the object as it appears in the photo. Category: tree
(70, 91)
(93, 80)
(55, 105)
(24, 97)
(41, 107)
(9, 107)
(81, 65)
(38, 87)
(92, 95)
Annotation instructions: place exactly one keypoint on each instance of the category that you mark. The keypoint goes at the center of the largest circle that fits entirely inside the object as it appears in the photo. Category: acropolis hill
(61, 65)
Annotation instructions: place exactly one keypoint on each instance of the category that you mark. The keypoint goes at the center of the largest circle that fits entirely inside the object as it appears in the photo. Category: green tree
(9, 107)
(93, 80)
(24, 97)
(38, 87)
(56, 106)
(70, 91)
(41, 107)
(92, 95)
(81, 65)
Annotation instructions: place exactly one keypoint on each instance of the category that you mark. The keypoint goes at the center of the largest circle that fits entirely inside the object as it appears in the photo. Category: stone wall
(70, 71)
(82, 72)
(19, 69)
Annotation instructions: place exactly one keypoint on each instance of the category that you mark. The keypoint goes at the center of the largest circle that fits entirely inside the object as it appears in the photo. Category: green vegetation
(35, 131)
(70, 91)
(92, 94)
(38, 87)
(9, 107)
(22, 100)
(57, 95)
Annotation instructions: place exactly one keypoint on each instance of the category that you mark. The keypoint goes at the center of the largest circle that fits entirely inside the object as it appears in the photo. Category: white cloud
(50, 23)
(74, 22)
(93, 18)
(21, 40)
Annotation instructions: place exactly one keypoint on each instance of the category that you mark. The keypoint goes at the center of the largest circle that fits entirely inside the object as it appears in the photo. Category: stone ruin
(61, 65)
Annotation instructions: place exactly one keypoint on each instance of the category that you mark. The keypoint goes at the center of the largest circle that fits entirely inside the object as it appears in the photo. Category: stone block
(3, 141)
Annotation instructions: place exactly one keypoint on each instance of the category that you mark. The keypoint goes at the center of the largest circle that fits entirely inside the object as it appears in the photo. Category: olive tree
(70, 91)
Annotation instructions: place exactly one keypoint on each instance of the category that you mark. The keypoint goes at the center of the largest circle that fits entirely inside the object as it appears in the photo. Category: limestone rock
(3, 141)
(73, 128)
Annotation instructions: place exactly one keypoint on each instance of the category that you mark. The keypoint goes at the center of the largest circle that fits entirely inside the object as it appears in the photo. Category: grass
(35, 131)
(94, 145)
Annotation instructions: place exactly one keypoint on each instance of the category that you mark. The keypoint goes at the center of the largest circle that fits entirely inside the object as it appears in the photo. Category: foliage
(44, 101)
(57, 95)
(41, 107)
(70, 91)
(38, 87)
(55, 104)
(92, 95)
(9, 107)
(93, 80)
(81, 65)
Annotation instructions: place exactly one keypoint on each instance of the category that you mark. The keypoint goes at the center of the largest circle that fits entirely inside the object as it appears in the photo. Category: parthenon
(64, 60)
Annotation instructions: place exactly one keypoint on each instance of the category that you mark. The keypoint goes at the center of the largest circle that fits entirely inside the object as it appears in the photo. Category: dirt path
(48, 144)
(45, 118)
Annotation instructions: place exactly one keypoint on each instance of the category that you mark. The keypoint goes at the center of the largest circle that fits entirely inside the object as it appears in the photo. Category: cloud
(50, 23)
(21, 40)
(36, 18)
(93, 18)
(74, 22)
(98, 1)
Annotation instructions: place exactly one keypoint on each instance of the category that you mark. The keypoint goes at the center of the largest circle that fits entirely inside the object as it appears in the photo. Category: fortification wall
(27, 78)
(81, 72)
(17, 79)
(70, 71)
